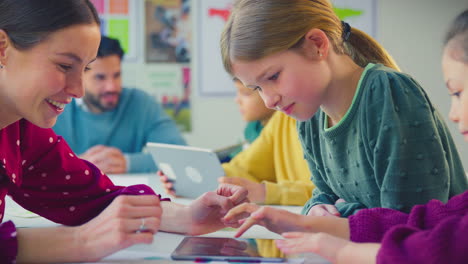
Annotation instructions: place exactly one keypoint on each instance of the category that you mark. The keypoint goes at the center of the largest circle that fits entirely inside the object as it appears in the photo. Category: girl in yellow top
(273, 168)
(253, 111)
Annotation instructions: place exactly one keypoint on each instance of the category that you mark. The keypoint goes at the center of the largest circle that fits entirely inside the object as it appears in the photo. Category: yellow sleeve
(267, 248)
(276, 159)
(255, 162)
(288, 193)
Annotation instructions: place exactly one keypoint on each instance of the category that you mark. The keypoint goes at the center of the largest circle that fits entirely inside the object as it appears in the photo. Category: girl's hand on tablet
(275, 220)
(257, 191)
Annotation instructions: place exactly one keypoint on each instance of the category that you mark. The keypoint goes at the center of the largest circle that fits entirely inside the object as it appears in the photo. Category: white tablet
(193, 171)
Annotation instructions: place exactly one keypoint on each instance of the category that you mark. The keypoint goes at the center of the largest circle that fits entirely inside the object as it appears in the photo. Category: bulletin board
(119, 19)
(168, 31)
(167, 39)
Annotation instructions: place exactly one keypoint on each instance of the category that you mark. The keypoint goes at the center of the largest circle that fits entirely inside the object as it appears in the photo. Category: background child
(273, 168)
(253, 111)
(370, 134)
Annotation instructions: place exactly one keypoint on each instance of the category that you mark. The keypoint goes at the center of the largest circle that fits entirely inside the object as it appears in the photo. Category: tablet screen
(227, 249)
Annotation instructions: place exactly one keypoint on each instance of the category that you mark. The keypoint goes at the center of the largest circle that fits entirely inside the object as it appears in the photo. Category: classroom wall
(216, 121)
(411, 30)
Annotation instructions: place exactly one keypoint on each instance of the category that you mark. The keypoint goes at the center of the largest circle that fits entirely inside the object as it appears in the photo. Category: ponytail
(363, 49)
(259, 28)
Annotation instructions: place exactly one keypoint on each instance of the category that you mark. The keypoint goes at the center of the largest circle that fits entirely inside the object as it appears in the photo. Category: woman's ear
(316, 44)
(6, 46)
(4, 43)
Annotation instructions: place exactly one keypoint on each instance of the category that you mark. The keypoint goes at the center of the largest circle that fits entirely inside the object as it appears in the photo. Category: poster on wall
(213, 14)
(168, 31)
(178, 106)
(171, 86)
(168, 53)
(119, 20)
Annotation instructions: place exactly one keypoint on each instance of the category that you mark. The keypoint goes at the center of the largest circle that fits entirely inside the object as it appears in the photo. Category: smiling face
(456, 79)
(251, 104)
(37, 83)
(103, 84)
(287, 81)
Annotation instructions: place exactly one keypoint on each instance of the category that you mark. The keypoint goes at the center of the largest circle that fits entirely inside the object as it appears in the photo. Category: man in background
(110, 125)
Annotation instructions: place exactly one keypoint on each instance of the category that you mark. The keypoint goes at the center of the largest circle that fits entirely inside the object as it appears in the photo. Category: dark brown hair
(28, 22)
(458, 33)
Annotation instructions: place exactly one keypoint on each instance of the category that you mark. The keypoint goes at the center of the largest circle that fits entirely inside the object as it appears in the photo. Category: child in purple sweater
(431, 233)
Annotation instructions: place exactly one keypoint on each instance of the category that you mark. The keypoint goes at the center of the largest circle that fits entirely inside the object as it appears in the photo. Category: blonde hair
(259, 28)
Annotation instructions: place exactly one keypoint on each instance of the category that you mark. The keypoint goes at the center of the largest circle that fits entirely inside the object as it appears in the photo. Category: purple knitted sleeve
(369, 225)
(447, 242)
(8, 242)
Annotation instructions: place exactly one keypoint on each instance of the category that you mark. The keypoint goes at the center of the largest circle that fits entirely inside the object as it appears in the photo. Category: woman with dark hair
(45, 47)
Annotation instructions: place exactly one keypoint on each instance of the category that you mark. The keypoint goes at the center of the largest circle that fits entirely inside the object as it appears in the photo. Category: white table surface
(164, 243)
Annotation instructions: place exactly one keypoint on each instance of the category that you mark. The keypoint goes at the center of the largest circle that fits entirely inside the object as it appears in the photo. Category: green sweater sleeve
(392, 149)
(345, 208)
(409, 146)
(322, 194)
(327, 196)
(319, 197)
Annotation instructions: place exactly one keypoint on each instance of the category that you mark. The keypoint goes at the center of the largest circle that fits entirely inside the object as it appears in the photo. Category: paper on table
(18, 211)
(127, 180)
(15, 210)
(124, 256)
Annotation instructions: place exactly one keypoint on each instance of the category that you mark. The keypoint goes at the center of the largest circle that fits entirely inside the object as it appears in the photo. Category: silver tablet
(193, 171)
(204, 249)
